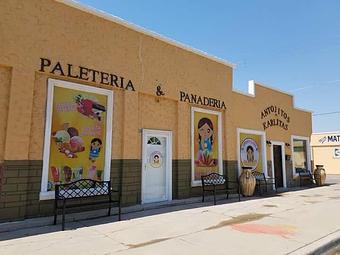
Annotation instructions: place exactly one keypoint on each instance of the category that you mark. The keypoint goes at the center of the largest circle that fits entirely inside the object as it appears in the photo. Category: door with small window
(156, 170)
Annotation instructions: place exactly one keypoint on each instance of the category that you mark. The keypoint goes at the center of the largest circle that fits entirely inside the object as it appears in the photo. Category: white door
(156, 175)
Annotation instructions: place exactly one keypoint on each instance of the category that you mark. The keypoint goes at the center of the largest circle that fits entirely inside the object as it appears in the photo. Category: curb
(326, 245)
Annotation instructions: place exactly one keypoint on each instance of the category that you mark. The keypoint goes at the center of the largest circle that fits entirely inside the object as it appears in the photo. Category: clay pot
(320, 175)
(247, 182)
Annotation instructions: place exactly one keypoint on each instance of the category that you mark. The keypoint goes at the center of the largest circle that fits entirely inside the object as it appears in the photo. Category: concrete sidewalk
(297, 222)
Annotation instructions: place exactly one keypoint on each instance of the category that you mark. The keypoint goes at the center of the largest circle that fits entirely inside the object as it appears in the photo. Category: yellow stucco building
(87, 95)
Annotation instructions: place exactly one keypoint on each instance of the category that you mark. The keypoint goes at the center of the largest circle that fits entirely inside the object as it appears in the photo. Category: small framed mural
(77, 135)
(251, 150)
(206, 143)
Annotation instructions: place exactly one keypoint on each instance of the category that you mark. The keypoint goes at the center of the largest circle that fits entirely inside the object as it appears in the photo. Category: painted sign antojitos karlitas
(251, 151)
(77, 136)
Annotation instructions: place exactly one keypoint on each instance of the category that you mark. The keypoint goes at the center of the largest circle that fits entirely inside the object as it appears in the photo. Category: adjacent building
(326, 151)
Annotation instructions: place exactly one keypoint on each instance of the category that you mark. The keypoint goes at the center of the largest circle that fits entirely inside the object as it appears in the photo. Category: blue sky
(287, 44)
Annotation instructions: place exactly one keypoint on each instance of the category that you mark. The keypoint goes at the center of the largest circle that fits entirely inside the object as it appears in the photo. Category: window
(301, 160)
(154, 141)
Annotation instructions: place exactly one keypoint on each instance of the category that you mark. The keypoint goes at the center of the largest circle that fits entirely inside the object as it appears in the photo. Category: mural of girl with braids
(205, 143)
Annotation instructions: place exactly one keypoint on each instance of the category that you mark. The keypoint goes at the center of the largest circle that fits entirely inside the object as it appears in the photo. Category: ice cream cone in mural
(77, 173)
(247, 182)
(91, 173)
(55, 174)
(99, 175)
(67, 173)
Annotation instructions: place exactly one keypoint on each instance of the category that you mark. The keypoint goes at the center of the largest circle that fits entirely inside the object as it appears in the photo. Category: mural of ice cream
(89, 107)
(61, 136)
(72, 131)
(68, 141)
(77, 173)
(67, 173)
(55, 174)
(99, 174)
(78, 136)
(77, 144)
(92, 172)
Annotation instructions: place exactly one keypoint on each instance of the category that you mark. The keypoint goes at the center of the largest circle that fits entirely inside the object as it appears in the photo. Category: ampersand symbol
(159, 91)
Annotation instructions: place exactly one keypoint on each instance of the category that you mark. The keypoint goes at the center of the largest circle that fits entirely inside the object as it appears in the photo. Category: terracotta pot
(320, 175)
(247, 182)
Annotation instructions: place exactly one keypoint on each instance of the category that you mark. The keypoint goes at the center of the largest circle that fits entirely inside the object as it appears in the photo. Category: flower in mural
(205, 160)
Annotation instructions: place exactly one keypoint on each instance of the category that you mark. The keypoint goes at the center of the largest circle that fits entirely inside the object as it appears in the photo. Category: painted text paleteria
(85, 73)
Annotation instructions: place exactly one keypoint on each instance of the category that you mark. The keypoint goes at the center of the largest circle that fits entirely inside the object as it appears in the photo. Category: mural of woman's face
(205, 131)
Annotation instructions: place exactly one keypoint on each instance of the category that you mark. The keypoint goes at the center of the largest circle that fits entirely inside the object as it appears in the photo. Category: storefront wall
(326, 151)
(58, 41)
(288, 123)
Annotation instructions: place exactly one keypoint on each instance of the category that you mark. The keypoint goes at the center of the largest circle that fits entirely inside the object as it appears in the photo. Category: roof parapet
(252, 91)
(142, 30)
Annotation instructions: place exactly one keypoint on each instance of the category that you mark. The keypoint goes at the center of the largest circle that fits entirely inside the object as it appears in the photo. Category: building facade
(86, 95)
(326, 151)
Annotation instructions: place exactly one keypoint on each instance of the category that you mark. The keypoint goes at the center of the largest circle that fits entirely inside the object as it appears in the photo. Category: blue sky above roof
(290, 45)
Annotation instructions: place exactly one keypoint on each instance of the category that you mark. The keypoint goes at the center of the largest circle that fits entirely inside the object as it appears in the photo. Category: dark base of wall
(20, 183)
(181, 181)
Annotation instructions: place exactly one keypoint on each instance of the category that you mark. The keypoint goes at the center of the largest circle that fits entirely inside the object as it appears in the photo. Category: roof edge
(142, 30)
(327, 132)
(242, 93)
(253, 82)
(252, 90)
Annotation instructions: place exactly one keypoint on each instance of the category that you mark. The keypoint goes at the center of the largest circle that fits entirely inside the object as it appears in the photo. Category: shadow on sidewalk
(74, 221)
